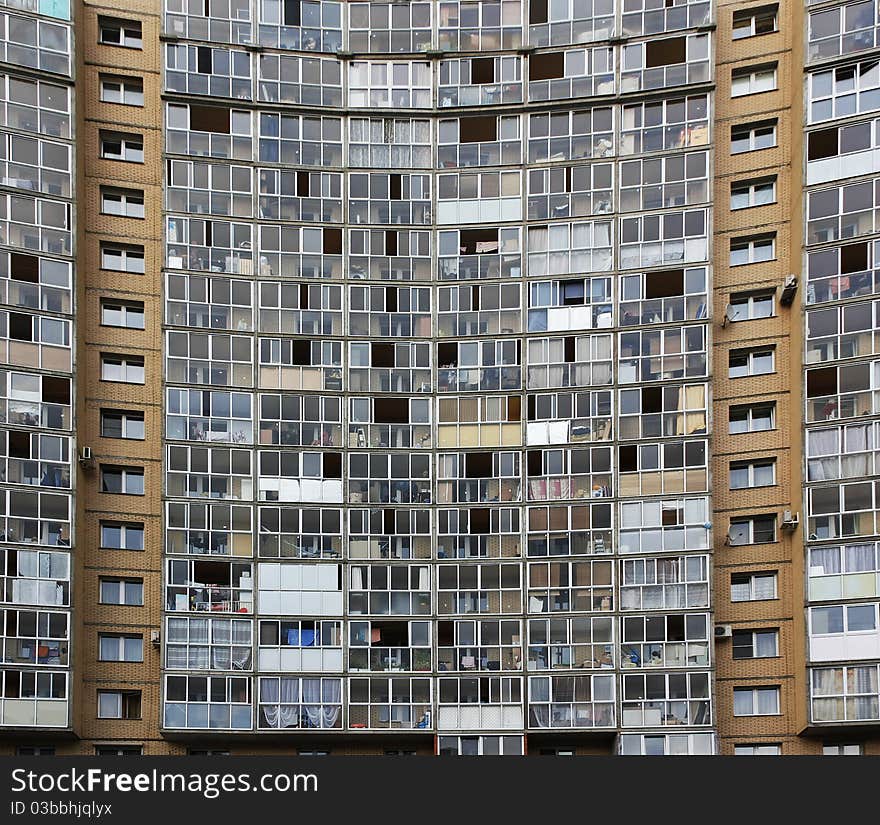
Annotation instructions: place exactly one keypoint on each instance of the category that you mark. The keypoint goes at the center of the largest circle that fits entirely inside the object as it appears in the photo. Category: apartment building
(468, 377)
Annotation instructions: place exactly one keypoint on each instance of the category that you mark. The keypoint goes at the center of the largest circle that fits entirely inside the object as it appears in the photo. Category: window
(122, 424)
(752, 22)
(758, 750)
(119, 750)
(122, 146)
(129, 314)
(120, 258)
(762, 701)
(751, 250)
(752, 530)
(842, 750)
(851, 618)
(128, 369)
(122, 591)
(750, 306)
(751, 137)
(755, 644)
(116, 32)
(753, 418)
(301, 752)
(124, 480)
(119, 704)
(34, 750)
(128, 91)
(204, 752)
(752, 80)
(744, 362)
(117, 648)
(122, 535)
(746, 474)
(752, 587)
(127, 203)
(746, 193)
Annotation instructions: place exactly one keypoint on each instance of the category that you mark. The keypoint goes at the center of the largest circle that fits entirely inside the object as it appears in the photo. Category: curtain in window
(199, 657)
(269, 694)
(311, 696)
(175, 657)
(539, 716)
(332, 695)
(826, 559)
(828, 681)
(859, 557)
(862, 680)
(854, 462)
(764, 587)
(822, 442)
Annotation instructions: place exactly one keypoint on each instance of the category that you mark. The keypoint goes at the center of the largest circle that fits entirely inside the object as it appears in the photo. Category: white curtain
(859, 557)
(540, 715)
(822, 443)
(321, 708)
(828, 558)
(199, 658)
(175, 656)
(854, 462)
(285, 691)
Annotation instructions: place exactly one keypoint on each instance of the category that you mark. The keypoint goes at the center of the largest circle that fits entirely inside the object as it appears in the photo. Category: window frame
(754, 80)
(120, 638)
(129, 88)
(128, 30)
(752, 17)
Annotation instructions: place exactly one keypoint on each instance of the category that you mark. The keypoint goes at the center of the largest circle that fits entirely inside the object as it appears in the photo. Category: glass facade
(37, 448)
(841, 170)
(437, 376)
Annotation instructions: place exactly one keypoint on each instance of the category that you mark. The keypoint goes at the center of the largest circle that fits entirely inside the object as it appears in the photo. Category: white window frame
(133, 369)
(125, 90)
(752, 578)
(122, 258)
(749, 193)
(128, 475)
(754, 363)
(745, 22)
(118, 701)
(118, 589)
(120, 639)
(745, 527)
(750, 418)
(129, 311)
(124, 203)
(124, 139)
(126, 416)
(758, 749)
(755, 695)
(749, 467)
(123, 527)
(753, 131)
(754, 642)
(754, 247)
(749, 307)
(753, 80)
(130, 32)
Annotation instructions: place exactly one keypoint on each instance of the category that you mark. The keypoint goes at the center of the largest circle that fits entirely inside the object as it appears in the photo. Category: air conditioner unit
(85, 454)
(788, 290)
(790, 520)
(723, 631)
(154, 637)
